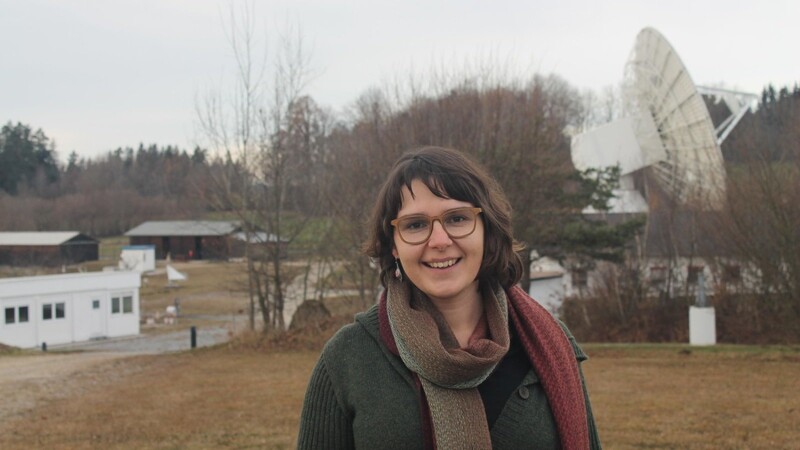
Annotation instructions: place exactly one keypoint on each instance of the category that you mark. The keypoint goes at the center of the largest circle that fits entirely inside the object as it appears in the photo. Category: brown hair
(448, 174)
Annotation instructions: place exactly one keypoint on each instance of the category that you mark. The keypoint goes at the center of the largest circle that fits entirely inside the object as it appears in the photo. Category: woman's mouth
(442, 264)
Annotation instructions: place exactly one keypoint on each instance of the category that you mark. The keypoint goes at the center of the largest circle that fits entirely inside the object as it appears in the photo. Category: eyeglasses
(417, 228)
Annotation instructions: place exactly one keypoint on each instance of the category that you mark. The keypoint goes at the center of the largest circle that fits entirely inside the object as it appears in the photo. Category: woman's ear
(394, 252)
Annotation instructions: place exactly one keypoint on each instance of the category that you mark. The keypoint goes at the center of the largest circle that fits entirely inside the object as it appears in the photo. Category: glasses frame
(440, 217)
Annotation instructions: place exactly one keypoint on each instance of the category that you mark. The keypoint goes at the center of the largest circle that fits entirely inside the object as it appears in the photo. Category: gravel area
(163, 342)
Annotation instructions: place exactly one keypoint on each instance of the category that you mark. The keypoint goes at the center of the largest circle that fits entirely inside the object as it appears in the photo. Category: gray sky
(96, 75)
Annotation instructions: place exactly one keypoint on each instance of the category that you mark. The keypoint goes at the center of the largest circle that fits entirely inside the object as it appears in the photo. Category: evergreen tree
(26, 157)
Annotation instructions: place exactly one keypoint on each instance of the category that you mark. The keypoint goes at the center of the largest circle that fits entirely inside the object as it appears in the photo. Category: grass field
(667, 396)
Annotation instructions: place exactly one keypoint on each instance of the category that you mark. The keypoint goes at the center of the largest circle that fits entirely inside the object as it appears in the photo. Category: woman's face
(444, 268)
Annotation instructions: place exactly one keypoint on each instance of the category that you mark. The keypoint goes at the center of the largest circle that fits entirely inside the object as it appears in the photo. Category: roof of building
(546, 275)
(258, 237)
(37, 238)
(185, 228)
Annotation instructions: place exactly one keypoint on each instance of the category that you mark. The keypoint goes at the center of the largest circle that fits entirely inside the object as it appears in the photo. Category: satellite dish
(667, 134)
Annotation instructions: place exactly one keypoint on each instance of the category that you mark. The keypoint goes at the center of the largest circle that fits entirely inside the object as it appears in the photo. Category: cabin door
(96, 309)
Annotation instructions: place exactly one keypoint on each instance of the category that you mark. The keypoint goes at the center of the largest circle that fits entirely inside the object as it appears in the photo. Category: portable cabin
(65, 308)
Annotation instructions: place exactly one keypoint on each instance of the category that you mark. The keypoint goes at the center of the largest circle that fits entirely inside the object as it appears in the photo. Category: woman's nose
(439, 237)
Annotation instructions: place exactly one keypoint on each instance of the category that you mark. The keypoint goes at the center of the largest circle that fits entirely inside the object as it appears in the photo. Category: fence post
(194, 337)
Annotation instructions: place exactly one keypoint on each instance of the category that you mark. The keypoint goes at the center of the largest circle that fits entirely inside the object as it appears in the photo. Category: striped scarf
(453, 413)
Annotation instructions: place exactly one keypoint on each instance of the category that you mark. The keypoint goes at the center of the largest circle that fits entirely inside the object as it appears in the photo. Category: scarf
(452, 410)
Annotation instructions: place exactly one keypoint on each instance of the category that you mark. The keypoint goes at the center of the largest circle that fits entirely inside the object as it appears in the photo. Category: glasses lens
(414, 229)
(459, 222)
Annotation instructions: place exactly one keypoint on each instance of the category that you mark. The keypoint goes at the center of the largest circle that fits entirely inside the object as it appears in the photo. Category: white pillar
(702, 326)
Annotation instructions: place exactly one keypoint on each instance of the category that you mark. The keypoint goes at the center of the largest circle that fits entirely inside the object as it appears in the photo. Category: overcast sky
(97, 75)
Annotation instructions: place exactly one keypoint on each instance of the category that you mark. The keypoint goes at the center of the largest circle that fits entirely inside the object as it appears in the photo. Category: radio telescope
(666, 136)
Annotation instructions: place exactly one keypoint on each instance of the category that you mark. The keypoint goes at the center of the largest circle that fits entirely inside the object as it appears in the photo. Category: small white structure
(174, 275)
(547, 282)
(138, 258)
(702, 326)
(59, 309)
(547, 288)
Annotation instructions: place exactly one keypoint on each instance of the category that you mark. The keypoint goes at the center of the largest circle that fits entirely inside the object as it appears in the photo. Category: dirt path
(28, 380)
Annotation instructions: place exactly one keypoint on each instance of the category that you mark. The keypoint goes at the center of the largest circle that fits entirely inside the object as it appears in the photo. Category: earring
(397, 273)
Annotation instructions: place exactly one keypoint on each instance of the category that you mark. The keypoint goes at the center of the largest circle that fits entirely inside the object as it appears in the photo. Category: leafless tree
(262, 134)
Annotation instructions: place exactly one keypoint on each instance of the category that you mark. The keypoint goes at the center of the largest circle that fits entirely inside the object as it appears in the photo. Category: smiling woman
(454, 355)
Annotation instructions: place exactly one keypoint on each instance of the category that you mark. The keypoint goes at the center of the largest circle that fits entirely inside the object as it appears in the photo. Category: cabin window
(22, 314)
(47, 311)
(580, 278)
(17, 315)
(693, 274)
(658, 274)
(122, 305)
(731, 273)
(60, 310)
(95, 304)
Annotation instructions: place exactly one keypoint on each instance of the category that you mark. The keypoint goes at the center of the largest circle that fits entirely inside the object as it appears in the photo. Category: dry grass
(212, 288)
(643, 397)
(207, 399)
(671, 396)
(6, 350)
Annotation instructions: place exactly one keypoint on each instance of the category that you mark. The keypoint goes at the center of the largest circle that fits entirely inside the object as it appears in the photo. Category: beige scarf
(449, 375)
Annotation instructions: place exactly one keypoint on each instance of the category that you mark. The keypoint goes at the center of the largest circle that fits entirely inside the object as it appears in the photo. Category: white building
(547, 285)
(138, 258)
(59, 309)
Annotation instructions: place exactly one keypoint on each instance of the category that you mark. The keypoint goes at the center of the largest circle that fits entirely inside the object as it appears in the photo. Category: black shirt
(507, 376)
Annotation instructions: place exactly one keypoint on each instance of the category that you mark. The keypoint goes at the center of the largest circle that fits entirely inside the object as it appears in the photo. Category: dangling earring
(397, 273)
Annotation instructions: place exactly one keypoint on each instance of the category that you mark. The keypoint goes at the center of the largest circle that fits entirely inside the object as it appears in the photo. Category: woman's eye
(457, 218)
(415, 224)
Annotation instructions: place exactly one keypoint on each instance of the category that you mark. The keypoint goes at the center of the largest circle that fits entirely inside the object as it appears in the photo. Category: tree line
(104, 196)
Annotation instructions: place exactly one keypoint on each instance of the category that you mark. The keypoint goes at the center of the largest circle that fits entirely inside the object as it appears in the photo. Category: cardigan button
(524, 393)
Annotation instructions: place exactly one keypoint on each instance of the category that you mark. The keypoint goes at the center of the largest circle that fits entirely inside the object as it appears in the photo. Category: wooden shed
(186, 239)
(46, 248)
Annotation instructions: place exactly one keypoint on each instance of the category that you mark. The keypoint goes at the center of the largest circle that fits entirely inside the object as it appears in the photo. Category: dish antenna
(667, 134)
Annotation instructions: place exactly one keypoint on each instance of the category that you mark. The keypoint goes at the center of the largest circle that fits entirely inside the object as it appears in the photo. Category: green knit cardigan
(362, 396)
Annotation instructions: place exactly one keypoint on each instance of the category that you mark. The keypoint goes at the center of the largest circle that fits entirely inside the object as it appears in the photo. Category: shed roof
(36, 238)
(185, 228)
(259, 237)
(546, 275)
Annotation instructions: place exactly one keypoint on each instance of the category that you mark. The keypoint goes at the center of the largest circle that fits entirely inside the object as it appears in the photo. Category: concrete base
(702, 326)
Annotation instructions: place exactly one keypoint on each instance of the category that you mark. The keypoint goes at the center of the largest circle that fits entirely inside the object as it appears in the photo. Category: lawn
(649, 396)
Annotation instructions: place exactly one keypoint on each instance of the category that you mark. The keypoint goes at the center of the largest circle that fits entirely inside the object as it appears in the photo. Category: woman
(454, 355)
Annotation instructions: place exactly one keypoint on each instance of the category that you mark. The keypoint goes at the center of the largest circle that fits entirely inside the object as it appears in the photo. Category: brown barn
(46, 248)
(187, 239)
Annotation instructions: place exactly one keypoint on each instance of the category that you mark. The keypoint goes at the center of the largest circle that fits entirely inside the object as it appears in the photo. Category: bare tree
(259, 135)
